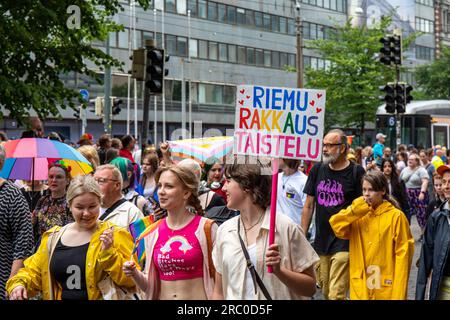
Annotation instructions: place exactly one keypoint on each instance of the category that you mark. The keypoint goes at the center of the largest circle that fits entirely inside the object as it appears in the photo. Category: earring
(191, 209)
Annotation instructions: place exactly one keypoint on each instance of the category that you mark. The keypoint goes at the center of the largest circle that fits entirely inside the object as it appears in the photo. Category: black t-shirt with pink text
(333, 191)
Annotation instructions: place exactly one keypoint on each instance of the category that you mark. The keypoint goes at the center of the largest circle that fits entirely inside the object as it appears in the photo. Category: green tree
(433, 79)
(42, 40)
(354, 75)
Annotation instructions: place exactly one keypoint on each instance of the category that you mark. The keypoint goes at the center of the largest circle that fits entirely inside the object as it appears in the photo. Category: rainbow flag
(137, 229)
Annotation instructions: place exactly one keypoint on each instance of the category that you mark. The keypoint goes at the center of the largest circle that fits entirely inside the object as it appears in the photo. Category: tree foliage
(355, 74)
(38, 44)
(434, 78)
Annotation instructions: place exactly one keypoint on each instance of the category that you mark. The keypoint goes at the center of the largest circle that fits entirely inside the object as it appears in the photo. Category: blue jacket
(378, 153)
(435, 251)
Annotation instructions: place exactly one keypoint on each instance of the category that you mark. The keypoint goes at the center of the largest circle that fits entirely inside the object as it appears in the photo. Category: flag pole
(273, 205)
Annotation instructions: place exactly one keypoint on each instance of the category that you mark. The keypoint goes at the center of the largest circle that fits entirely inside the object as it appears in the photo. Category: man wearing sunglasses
(331, 186)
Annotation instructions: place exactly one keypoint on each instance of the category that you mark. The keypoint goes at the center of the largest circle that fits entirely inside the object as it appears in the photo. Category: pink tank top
(177, 253)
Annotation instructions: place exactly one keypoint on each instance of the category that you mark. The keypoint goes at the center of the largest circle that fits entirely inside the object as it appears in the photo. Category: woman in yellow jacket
(72, 260)
(381, 244)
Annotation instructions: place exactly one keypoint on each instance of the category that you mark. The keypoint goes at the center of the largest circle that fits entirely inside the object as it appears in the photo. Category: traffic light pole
(398, 124)
(107, 105)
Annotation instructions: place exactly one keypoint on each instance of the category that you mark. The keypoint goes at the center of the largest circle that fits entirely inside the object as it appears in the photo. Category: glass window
(159, 4)
(333, 5)
(182, 46)
(267, 59)
(229, 93)
(275, 24)
(193, 48)
(212, 11)
(171, 44)
(266, 21)
(283, 25)
(240, 16)
(275, 59)
(202, 9)
(232, 53)
(250, 56)
(320, 32)
(181, 6)
(291, 26)
(231, 14)
(306, 30)
(259, 57)
(123, 39)
(258, 19)
(146, 35)
(192, 5)
(213, 50)
(170, 5)
(210, 93)
(249, 18)
(320, 64)
(241, 55)
(283, 59)
(222, 15)
(326, 4)
(203, 49)
(306, 62)
(223, 52)
(313, 31)
(159, 39)
(319, 3)
(341, 6)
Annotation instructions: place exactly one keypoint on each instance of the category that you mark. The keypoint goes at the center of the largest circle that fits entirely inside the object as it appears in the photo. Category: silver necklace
(283, 182)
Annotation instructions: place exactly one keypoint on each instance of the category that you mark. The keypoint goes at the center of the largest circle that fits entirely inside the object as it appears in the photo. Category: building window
(182, 46)
(258, 19)
(424, 53)
(212, 11)
(202, 9)
(241, 55)
(283, 25)
(424, 25)
(231, 14)
(213, 50)
(429, 3)
(229, 95)
(210, 93)
(267, 59)
(159, 4)
(275, 23)
(240, 16)
(170, 6)
(283, 59)
(223, 56)
(249, 18)
(291, 27)
(292, 62)
(171, 44)
(181, 6)
(203, 49)
(192, 5)
(259, 57)
(275, 59)
(250, 56)
(123, 39)
(193, 48)
(222, 13)
(266, 21)
(232, 53)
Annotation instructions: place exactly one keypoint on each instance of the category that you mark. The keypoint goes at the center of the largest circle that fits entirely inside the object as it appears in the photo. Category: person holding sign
(332, 185)
(244, 239)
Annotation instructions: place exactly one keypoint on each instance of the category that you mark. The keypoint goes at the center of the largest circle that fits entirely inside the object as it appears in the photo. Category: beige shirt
(296, 255)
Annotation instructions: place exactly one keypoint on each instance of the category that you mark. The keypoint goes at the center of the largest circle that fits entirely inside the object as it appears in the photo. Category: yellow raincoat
(381, 250)
(35, 275)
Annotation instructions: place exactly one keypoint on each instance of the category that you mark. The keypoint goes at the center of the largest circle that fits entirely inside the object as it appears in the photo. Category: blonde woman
(91, 154)
(72, 260)
(178, 250)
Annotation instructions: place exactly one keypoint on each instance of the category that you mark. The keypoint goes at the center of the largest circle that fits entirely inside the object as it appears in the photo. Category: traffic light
(391, 52)
(389, 98)
(408, 96)
(99, 106)
(155, 71)
(115, 105)
(76, 114)
(400, 104)
(138, 66)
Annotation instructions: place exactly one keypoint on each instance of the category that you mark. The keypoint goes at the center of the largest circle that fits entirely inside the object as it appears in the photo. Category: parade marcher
(245, 238)
(53, 209)
(147, 183)
(111, 154)
(396, 187)
(434, 258)
(86, 139)
(116, 143)
(126, 169)
(104, 144)
(331, 186)
(378, 148)
(290, 196)
(437, 159)
(187, 272)
(91, 154)
(401, 159)
(16, 232)
(214, 176)
(427, 165)
(439, 196)
(416, 181)
(381, 244)
(128, 143)
(387, 153)
(115, 208)
(71, 261)
(33, 192)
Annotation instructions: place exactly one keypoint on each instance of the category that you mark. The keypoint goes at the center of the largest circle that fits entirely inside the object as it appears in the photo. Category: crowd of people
(342, 225)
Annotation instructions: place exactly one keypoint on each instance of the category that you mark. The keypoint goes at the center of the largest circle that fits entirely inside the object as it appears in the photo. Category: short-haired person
(248, 190)
(378, 148)
(81, 254)
(128, 143)
(104, 143)
(332, 185)
(179, 264)
(290, 198)
(434, 258)
(115, 208)
(381, 244)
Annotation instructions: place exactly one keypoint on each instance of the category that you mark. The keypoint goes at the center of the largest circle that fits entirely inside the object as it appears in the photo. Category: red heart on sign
(241, 102)
(318, 110)
(248, 97)
(242, 91)
(319, 95)
(312, 103)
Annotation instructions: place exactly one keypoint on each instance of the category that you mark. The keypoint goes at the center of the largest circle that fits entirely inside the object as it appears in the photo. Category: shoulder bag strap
(207, 228)
(51, 245)
(112, 208)
(255, 276)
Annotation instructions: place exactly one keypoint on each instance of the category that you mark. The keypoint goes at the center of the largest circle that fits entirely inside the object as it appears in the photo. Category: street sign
(391, 121)
(84, 94)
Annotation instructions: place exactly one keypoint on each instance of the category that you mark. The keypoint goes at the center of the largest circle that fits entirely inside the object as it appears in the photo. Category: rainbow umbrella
(28, 159)
(201, 149)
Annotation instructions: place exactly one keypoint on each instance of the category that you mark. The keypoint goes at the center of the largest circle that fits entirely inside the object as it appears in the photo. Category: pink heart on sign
(248, 97)
(242, 91)
(241, 102)
(312, 103)
(318, 110)
(319, 95)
